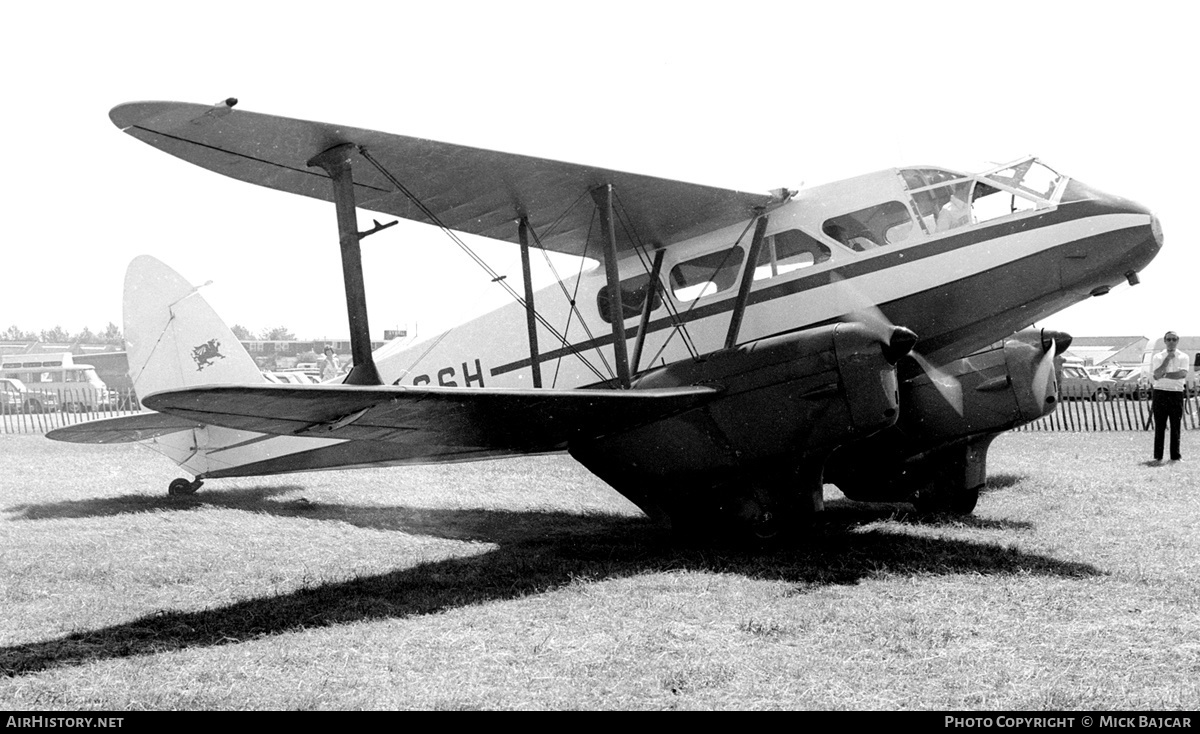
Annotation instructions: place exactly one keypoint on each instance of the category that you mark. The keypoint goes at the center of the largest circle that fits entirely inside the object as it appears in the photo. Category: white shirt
(1178, 362)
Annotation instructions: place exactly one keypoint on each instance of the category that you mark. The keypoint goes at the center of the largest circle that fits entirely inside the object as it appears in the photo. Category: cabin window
(633, 298)
(889, 223)
(707, 274)
(786, 251)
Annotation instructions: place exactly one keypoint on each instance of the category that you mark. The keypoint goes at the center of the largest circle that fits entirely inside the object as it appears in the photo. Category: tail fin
(173, 337)
(175, 340)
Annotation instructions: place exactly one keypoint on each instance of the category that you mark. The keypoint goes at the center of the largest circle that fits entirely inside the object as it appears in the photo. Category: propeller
(856, 306)
(1053, 344)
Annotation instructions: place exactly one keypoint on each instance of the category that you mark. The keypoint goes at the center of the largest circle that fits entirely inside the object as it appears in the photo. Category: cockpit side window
(707, 274)
(919, 178)
(786, 251)
(991, 202)
(946, 207)
(889, 223)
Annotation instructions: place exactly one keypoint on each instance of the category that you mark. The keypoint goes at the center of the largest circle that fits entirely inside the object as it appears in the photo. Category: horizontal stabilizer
(123, 430)
(513, 420)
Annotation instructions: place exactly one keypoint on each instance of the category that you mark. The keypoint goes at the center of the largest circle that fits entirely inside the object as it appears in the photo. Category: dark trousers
(1167, 406)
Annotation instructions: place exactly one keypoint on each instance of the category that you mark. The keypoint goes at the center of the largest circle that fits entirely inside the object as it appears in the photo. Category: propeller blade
(1046, 368)
(858, 307)
(947, 385)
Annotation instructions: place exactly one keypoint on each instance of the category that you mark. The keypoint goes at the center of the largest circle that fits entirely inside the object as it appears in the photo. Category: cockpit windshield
(1030, 176)
(946, 200)
(936, 200)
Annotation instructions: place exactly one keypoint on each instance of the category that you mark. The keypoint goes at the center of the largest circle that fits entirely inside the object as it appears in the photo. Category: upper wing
(514, 420)
(123, 430)
(472, 190)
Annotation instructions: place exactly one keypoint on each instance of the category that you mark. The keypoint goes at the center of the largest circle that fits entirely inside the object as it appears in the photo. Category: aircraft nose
(1078, 191)
(1150, 240)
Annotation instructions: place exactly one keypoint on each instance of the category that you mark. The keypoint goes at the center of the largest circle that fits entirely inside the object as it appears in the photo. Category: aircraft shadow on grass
(537, 552)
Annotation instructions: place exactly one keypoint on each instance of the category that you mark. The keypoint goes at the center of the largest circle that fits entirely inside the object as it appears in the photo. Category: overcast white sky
(750, 96)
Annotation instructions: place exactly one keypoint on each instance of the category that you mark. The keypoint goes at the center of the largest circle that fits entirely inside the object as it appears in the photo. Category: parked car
(289, 377)
(1077, 383)
(1130, 383)
(19, 399)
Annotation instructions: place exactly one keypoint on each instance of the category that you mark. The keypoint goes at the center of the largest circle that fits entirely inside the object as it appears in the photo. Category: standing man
(1170, 369)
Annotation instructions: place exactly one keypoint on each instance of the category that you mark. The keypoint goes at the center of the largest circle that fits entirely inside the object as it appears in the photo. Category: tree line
(112, 335)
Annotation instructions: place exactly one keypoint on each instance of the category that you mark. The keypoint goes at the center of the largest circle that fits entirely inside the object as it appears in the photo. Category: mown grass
(528, 584)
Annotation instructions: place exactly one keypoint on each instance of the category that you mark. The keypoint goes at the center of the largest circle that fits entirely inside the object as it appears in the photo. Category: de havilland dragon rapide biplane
(731, 354)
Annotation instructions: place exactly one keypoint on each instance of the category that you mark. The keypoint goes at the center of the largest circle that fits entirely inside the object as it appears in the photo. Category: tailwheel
(182, 486)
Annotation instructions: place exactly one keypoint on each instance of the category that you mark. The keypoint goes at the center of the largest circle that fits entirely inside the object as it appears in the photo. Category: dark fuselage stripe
(1063, 213)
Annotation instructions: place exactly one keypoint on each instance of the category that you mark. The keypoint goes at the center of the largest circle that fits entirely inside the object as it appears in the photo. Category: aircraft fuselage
(959, 290)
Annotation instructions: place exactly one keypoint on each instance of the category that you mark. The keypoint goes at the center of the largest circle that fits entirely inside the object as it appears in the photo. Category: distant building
(258, 347)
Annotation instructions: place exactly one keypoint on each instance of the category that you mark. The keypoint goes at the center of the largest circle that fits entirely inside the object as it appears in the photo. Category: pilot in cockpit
(956, 211)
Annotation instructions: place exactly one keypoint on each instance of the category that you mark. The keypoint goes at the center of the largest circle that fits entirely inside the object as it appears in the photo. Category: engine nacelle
(944, 430)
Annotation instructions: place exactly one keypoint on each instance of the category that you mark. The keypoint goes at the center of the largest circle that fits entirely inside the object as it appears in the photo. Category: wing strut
(336, 162)
(530, 312)
(604, 202)
(743, 296)
(647, 307)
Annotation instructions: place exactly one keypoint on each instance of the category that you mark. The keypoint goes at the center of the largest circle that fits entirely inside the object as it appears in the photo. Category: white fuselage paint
(500, 338)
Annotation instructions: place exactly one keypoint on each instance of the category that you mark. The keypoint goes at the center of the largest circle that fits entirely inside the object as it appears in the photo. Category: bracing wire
(572, 298)
(496, 277)
(728, 254)
(680, 326)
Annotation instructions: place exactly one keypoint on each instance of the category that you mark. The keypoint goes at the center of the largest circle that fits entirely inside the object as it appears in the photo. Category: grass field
(528, 584)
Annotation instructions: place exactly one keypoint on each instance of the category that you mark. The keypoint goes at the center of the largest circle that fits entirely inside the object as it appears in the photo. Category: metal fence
(74, 406)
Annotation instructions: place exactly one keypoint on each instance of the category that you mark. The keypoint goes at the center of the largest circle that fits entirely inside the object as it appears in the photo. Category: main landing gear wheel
(182, 486)
(953, 502)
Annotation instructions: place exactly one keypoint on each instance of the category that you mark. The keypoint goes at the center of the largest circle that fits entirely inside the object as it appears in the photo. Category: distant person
(332, 366)
(1170, 369)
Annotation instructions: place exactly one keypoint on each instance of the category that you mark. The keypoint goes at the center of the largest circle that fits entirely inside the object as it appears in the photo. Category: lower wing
(512, 420)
